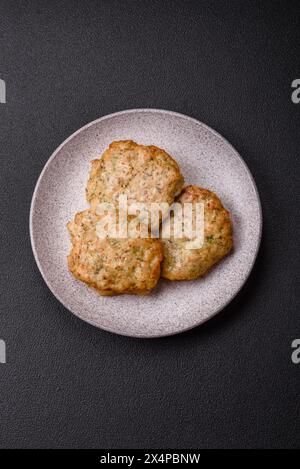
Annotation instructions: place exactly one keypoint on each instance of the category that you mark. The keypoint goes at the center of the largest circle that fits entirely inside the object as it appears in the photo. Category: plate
(205, 159)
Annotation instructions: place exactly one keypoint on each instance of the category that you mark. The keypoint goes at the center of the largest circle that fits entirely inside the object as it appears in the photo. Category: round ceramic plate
(206, 159)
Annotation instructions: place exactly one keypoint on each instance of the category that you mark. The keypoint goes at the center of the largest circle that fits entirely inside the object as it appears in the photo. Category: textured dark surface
(231, 382)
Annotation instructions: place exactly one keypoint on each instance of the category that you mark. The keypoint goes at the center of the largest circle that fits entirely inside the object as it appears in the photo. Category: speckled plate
(206, 159)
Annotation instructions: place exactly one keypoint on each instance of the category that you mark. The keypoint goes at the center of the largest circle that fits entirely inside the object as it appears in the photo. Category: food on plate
(112, 265)
(182, 263)
(143, 173)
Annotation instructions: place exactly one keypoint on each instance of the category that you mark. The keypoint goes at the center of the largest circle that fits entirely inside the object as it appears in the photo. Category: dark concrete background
(231, 382)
